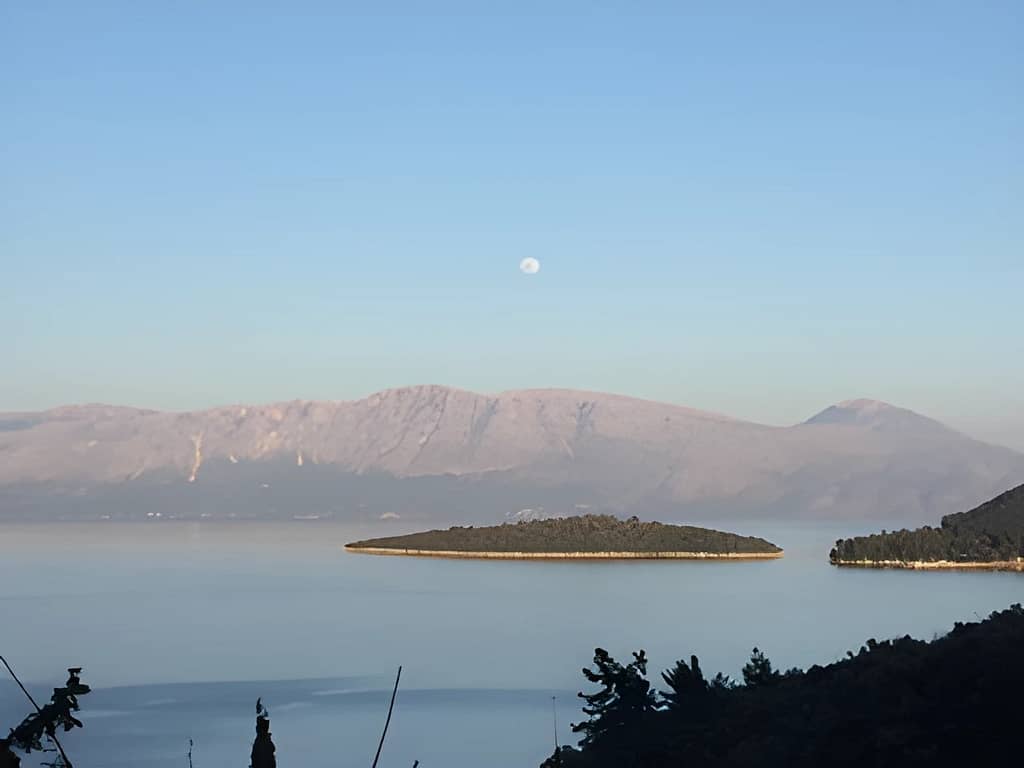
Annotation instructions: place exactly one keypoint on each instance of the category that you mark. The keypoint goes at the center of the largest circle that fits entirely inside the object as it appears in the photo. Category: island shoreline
(934, 565)
(482, 555)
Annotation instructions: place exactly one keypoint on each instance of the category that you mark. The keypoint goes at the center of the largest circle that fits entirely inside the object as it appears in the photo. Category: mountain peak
(877, 415)
(864, 404)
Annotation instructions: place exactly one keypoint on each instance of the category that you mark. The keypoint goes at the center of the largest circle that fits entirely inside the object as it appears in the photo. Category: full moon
(529, 266)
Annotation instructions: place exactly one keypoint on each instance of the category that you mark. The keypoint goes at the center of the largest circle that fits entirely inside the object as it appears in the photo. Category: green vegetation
(587, 533)
(991, 533)
(953, 701)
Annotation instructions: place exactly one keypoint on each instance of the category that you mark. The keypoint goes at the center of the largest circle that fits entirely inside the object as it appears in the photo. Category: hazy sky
(757, 208)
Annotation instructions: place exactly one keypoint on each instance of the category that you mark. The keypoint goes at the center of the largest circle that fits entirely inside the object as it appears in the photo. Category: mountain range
(443, 454)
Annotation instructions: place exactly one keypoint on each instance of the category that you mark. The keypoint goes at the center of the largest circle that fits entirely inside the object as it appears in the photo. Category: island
(988, 537)
(583, 537)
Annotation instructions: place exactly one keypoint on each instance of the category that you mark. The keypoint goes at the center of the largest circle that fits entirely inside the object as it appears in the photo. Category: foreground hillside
(991, 533)
(905, 702)
(435, 453)
(592, 534)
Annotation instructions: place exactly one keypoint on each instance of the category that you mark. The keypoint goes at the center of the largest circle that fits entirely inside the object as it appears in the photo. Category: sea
(180, 626)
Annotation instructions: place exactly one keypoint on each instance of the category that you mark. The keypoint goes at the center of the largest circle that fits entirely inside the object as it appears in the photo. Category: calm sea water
(181, 626)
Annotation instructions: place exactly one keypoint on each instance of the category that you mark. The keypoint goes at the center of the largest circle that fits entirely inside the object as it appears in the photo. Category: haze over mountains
(442, 454)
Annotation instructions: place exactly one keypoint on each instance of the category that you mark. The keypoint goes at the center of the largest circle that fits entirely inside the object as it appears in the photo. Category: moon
(529, 266)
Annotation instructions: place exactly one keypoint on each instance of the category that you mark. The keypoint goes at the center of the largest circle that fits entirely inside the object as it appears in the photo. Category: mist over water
(173, 622)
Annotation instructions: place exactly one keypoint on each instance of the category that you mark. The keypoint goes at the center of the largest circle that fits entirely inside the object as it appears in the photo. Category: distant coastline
(936, 565)
(627, 555)
(989, 537)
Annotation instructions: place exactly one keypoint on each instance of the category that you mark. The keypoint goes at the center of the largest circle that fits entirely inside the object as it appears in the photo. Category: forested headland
(952, 701)
(992, 533)
(583, 534)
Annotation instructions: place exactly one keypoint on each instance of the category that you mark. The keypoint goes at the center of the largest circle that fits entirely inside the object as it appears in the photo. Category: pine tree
(686, 685)
(625, 696)
(263, 748)
(721, 682)
(758, 671)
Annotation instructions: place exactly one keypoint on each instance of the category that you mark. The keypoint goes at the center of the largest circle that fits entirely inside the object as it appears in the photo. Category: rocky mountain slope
(442, 453)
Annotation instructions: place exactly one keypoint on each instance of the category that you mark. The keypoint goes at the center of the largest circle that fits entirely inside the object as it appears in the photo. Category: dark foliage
(993, 532)
(45, 723)
(953, 701)
(584, 533)
(687, 687)
(263, 749)
(620, 703)
(758, 671)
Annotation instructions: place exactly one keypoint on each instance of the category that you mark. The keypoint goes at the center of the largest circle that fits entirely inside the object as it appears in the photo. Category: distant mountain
(432, 452)
(878, 416)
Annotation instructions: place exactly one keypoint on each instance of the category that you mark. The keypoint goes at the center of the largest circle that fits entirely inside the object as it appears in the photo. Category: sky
(753, 208)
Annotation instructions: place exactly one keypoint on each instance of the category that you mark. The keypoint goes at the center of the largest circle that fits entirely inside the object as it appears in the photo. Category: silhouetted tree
(556, 760)
(721, 682)
(758, 671)
(45, 722)
(905, 702)
(263, 747)
(623, 699)
(686, 684)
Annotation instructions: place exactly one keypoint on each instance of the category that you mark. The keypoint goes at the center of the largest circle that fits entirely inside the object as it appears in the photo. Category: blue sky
(757, 208)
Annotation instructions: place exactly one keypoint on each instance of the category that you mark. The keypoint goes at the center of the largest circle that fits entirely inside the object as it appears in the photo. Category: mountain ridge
(99, 406)
(616, 452)
(858, 406)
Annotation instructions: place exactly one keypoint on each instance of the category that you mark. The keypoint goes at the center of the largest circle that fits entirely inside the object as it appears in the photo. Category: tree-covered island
(990, 536)
(580, 537)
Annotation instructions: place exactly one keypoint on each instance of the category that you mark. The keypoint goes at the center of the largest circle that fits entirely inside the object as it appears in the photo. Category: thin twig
(24, 690)
(554, 720)
(388, 721)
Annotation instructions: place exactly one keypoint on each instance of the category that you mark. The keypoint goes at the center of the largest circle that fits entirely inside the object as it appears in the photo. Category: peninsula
(586, 537)
(988, 537)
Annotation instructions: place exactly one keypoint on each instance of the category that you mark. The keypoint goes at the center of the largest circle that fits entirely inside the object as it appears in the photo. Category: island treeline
(992, 532)
(582, 533)
(952, 701)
